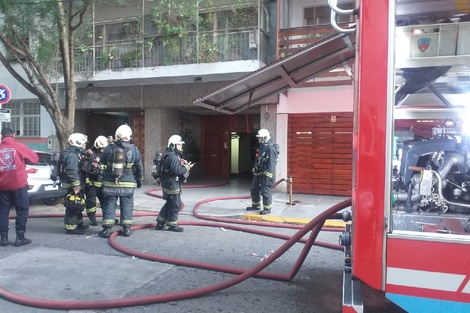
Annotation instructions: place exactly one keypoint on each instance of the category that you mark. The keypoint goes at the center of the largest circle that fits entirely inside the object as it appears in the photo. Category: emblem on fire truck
(423, 44)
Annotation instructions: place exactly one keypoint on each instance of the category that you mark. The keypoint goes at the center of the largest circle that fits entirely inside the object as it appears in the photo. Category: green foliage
(46, 51)
(175, 17)
(129, 58)
(208, 51)
(107, 56)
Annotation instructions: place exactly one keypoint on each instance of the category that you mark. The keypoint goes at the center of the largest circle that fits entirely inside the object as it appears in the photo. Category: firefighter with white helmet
(94, 178)
(72, 178)
(175, 171)
(123, 173)
(264, 172)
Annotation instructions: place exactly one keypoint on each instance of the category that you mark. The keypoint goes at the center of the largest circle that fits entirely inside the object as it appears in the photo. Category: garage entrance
(320, 153)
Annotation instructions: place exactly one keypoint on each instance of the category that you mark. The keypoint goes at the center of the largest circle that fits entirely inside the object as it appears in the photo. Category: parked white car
(40, 185)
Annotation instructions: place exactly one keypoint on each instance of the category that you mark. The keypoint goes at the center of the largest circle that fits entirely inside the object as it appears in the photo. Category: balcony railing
(293, 39)
(207, 47)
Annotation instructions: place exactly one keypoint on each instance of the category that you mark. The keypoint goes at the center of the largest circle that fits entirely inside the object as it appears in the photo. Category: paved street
(59, 271)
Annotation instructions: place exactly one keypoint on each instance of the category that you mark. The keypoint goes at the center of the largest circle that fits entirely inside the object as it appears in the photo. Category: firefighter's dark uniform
(121, 188)
(93, 184)
(175, 172)
(73, 176)
(264, 172)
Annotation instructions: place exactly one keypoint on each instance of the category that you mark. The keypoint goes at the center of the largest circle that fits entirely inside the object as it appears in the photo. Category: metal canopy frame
(323, 56)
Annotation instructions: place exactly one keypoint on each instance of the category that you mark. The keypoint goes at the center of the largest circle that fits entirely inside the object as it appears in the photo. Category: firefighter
(175, 171)
(72, 178)
(94, 179)
(122, 175)
(264, 172)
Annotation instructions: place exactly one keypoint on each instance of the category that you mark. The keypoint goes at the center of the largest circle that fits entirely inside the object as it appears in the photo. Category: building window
(25, 118)
(321, 15)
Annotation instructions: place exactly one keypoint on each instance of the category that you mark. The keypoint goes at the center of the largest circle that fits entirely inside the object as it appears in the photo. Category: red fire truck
(410, 233)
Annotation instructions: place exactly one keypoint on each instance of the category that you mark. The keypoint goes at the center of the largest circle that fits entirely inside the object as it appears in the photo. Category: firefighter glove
(139, 184)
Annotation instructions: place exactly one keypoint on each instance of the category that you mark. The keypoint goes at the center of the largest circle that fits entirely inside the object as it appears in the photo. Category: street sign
(5, 94)
(5, 115)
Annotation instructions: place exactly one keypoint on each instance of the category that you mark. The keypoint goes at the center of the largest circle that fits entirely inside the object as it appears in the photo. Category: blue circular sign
(5, 94)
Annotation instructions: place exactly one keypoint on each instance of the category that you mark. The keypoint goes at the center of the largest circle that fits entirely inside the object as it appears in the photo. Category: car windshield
(44, 158)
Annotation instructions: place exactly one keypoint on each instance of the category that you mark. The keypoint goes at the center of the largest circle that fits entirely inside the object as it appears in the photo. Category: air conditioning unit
(252, 40)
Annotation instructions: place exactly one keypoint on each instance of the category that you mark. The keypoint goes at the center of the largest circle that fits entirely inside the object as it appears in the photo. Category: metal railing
(293, 39)
(192, 48)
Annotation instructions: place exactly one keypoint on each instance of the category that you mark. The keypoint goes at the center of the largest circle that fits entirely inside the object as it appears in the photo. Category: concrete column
(160, 124)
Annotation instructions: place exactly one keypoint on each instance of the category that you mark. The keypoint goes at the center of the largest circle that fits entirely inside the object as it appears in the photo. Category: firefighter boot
(126, 231)
(175, 228)
(93, 221)
(4, 240)
(105, 232)
(21, 240)
(76, 231)
(82, 226)
(160, 225)
(265, 211)
(253, 208)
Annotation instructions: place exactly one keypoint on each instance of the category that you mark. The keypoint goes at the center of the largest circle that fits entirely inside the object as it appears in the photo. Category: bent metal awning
(320, 57)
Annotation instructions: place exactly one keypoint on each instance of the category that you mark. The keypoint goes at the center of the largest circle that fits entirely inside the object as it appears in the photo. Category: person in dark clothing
(123, 173)
(72, 179)
(264, 172)
(175, 171)
(94, 180)
(14, 186)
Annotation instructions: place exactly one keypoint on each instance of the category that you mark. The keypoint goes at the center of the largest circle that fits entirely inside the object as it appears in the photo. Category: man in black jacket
(175, 172)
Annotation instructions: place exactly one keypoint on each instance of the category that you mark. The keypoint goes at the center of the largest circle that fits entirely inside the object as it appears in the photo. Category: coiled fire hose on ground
(314, 226)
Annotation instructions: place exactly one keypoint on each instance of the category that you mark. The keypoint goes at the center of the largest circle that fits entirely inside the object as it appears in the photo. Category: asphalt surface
(59, 270)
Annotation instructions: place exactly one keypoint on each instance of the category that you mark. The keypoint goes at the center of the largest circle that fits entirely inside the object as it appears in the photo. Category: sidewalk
(299, 210)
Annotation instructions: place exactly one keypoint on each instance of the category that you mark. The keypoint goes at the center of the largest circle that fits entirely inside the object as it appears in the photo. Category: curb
(290, 220)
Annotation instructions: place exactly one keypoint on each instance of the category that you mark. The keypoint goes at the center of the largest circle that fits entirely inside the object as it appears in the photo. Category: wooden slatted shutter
(320, 153)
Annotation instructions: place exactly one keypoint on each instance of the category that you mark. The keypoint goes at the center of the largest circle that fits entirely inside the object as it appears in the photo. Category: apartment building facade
(143, 65)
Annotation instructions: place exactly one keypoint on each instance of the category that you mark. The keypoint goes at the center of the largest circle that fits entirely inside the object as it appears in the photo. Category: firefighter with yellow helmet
(94, 178)
(123, 173)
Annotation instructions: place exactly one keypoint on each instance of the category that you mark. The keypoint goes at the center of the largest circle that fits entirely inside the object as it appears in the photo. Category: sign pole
(5, 96)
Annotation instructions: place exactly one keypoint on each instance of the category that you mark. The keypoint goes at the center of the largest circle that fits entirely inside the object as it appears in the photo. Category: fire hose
(314, 226)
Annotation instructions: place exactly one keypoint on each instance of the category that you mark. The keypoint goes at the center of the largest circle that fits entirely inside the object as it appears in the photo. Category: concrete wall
(162, 105)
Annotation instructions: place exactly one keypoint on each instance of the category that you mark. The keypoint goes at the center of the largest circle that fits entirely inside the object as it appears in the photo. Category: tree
(35, 34)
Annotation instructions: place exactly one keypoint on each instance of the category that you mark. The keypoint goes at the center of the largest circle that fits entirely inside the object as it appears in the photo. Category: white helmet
(77, 139)
(124, 132)
(101, 142)
(175, 140)
(263, 133)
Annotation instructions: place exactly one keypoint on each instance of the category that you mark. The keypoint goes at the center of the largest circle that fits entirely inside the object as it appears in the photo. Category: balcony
(163, 43)
(293, 39)
(210, 47)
